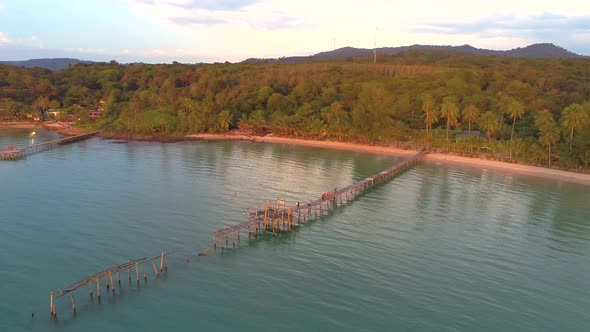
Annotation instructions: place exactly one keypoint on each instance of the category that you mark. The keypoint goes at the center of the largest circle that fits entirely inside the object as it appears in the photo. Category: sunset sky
(230, 30)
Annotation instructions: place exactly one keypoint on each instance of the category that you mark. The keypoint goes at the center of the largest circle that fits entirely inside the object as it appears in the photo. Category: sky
(193, 31)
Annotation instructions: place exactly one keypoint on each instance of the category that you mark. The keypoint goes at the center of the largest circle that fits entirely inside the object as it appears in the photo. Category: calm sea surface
(440, 248)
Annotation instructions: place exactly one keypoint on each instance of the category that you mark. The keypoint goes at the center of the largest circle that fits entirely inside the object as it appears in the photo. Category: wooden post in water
(162, 262)
(90, 284)
(129, 273)
(51, 304)
(73, 304)
(145, 275)
(155, 269)
(119, 277)
(98, 289)
(137, 272)
(112, 283)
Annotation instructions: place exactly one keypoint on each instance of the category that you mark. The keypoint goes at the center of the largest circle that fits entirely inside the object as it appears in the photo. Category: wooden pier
(273, 218)
(279, 217)
(15, 153)
(133, 272)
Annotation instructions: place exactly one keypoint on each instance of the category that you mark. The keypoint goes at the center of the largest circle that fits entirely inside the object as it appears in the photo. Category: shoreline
(62, 128)
(67, 129)
(434, 157)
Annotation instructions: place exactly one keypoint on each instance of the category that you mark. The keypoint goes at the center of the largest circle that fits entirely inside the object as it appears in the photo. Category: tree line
(532, 110)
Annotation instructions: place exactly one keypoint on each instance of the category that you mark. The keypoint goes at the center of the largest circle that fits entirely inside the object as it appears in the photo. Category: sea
(441, 247)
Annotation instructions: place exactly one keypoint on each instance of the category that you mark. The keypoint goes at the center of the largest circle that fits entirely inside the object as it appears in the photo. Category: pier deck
(282, 218)
(15, 153)
(273, 218)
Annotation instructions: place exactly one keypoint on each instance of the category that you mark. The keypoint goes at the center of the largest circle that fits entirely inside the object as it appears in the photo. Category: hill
(534, 51)
(51, 64)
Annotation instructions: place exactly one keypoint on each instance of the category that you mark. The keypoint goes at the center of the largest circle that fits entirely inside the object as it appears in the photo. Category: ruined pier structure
(274, 218)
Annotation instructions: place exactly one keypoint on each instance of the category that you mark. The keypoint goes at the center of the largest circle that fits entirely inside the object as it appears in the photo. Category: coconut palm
(516, 110)
(489, 122)
(430, 118)
(574, 116)
(549, 137)
(470, 114)
(543, 118)
(549, 132)
(450, 111)
(224, 120)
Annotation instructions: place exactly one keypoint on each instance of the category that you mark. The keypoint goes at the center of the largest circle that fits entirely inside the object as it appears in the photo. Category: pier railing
(280, 217)
(275, 218)
(20, 153)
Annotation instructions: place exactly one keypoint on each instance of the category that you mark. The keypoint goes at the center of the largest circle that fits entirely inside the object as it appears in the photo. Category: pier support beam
(73, 305)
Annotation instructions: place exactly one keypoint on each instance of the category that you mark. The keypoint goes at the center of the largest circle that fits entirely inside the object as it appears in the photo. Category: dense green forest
(536, 111)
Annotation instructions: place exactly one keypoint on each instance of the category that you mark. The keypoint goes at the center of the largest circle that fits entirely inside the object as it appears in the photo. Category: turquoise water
(440, 248)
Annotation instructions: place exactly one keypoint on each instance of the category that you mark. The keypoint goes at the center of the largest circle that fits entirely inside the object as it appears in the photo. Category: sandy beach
(19, 124)
(63, 128)
(432, 157)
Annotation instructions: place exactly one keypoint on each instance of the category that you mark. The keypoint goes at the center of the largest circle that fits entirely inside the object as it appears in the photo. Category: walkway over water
(15, 153)
(274, 218)
(279, 218)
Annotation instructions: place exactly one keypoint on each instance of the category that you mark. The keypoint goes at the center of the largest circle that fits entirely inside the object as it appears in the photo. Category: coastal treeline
(537, 111)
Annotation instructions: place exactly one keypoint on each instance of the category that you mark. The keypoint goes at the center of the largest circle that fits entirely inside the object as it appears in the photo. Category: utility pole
(375, 50)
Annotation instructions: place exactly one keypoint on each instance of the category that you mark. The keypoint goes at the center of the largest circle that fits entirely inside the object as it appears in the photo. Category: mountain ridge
(533, 51)
(49, 63)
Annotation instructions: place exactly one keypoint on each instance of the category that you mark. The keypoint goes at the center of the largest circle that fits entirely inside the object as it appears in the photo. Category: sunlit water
(439, 248)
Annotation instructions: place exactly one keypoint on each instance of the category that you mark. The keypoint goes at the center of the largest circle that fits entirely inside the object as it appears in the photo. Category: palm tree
(516, 111)
(224, 120)
(470, 114)
(450, 111)
(549, 136)
(549, 132)
(574, 116)
(489, 122)
(430, 118)
(186, 108)
(543, 118)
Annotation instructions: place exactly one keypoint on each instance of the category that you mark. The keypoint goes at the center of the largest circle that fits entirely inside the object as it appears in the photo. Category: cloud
(255, 14)
(212, 5)
(536, 26)
(4, 40)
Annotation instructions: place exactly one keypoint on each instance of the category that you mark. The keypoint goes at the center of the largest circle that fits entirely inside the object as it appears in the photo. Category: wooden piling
(73, 304)
(155, 269)
(90, 284)
(137, 272)
(112, 283)
(98, 289)
(162, 262)
(51, 307)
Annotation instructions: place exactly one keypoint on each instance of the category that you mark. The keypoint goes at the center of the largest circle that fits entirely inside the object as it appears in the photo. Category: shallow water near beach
(439, 248)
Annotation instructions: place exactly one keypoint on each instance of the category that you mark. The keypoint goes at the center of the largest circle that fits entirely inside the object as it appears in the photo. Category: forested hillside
(528, 110)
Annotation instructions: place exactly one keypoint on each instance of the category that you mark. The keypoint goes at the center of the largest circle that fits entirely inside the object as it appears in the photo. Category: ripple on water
(439, 248)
